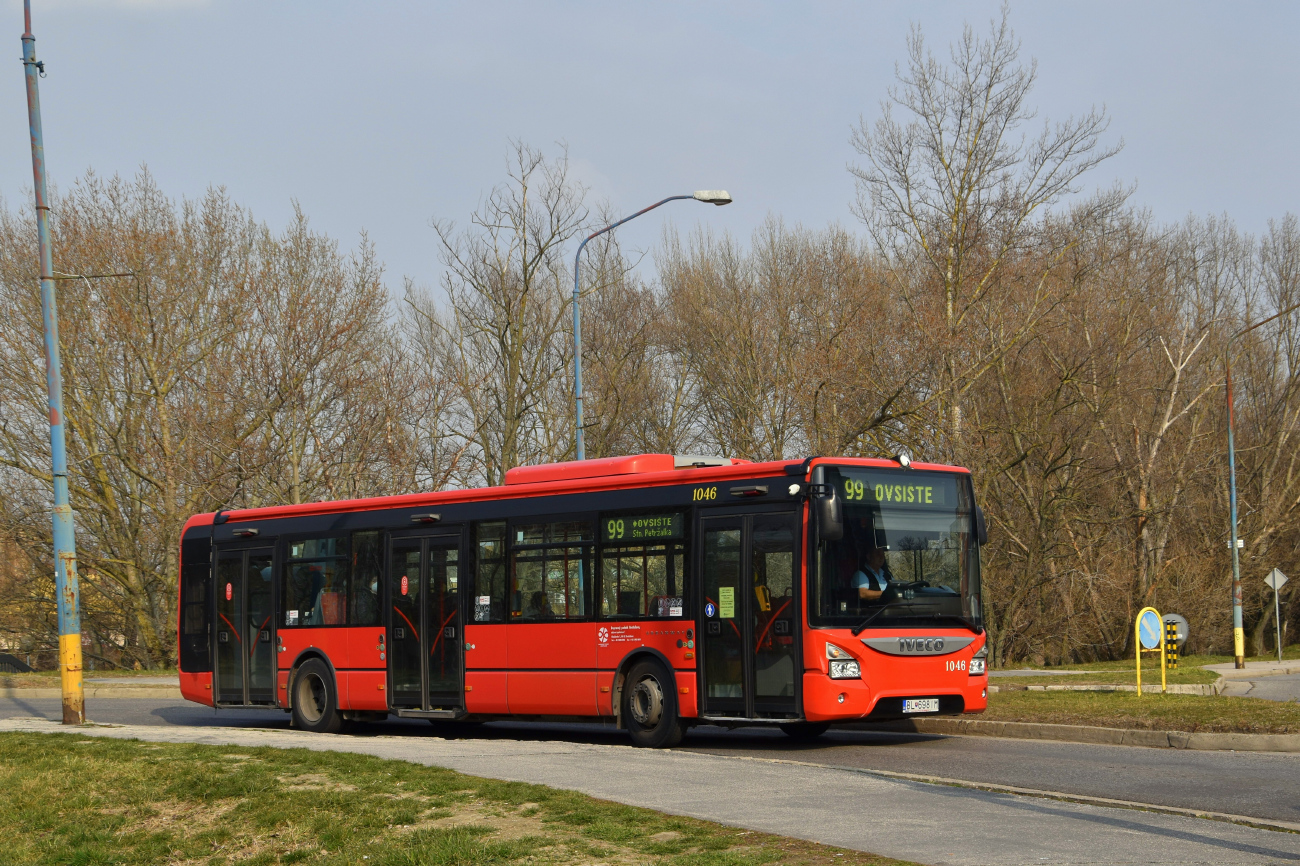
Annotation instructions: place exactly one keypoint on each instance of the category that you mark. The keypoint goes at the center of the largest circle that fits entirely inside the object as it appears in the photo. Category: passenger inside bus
(539, 607)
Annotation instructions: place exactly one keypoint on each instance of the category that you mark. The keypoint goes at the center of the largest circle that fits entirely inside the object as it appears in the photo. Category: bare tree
(951, 192)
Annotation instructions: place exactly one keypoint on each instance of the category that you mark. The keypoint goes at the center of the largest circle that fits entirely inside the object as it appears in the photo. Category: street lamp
(1238, 631)
(710, 196)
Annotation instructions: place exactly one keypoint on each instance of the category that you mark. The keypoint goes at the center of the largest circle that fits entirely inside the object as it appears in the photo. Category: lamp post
(67, 591)
(710, 196)
(1238, 630)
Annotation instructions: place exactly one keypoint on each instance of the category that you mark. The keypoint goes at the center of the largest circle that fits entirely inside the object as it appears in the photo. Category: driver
(872, 577)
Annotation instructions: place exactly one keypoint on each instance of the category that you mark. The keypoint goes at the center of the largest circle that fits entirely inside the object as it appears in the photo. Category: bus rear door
(748, 562)
(244, 626)
(425, 663)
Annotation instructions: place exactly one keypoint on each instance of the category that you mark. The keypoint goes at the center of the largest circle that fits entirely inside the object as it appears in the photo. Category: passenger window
(489, 599)
(367, 563)
(315, 582)
(642, 566)
(640, 582)
(550, 571)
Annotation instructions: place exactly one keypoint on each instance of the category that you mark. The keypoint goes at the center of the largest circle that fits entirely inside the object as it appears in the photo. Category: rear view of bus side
(653, 592)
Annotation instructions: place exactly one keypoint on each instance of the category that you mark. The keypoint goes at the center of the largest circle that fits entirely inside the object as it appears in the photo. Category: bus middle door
(425, 640)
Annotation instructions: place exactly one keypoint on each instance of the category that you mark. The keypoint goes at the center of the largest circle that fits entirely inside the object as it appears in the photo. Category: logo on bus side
(602, 636)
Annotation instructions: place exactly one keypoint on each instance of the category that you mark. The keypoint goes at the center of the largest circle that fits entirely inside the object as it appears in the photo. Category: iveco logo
(917, 646)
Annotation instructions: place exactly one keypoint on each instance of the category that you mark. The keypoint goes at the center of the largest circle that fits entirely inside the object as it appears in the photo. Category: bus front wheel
(650, 706)
(316, 699)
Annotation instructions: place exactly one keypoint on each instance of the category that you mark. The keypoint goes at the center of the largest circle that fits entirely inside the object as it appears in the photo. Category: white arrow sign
(1275, 579)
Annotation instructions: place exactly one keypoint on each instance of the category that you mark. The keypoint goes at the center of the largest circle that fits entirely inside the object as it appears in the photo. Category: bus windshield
(908, 557)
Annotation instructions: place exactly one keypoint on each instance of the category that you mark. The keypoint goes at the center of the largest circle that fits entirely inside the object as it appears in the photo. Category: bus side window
(488, 601)
(315, 582)
(196, 571)
(550, 569)
(645, 581)
(366, 565)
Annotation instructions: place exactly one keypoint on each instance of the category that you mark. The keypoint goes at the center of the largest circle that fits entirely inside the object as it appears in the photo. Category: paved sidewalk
(868, 811)
(1272, 681)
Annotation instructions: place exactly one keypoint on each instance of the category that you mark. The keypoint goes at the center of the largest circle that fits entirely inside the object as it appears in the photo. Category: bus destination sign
(910, 490)
(641, 527)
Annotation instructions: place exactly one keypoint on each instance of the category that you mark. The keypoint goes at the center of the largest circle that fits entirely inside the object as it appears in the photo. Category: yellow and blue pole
(67, 590)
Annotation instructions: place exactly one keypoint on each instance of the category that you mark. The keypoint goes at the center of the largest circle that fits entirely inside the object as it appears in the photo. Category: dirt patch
(313, 782)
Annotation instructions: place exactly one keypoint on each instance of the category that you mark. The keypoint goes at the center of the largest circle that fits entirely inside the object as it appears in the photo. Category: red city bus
(651, 591)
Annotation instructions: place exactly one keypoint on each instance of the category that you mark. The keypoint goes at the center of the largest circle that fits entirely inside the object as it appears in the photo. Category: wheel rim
(311, 697)
(647, 702)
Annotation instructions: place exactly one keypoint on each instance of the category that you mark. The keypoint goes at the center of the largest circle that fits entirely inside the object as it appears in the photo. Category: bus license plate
(920, 705)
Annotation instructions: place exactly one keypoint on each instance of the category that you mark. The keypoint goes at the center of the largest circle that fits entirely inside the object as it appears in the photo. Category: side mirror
(830, 516)
(981, 527)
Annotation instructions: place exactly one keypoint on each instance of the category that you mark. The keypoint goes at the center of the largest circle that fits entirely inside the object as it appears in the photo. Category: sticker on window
(727, 601)
(291, 617)
(669, 606)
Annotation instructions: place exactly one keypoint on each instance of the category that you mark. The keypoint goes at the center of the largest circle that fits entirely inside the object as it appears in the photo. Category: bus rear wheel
(650, 706)
(805, 730)
(316, 699)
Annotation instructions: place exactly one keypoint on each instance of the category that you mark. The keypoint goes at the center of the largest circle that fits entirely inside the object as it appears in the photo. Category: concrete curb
(1175, 689)
(98, 692)
(1100, 736)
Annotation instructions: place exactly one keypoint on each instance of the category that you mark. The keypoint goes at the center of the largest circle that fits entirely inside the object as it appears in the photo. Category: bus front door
(424, 627)
(748, 623)
(245, 651)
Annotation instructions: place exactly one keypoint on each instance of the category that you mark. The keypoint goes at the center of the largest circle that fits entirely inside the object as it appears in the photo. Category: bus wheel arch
(649, 704)
(620, 677)
(314, 694)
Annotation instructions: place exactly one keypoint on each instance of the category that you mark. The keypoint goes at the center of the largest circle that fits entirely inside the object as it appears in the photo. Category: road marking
(1084, 799)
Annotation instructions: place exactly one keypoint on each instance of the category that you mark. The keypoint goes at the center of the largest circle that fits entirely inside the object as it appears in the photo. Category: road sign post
(1276, 579)
(1149, 636)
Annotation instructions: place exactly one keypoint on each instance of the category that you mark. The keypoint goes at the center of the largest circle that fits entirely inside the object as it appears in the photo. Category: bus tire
(316, 699)
(650, 706)
(805, 730)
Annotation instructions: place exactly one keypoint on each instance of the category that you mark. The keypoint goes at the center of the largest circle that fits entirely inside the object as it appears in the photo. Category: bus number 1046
(957, 665)
(703, 493)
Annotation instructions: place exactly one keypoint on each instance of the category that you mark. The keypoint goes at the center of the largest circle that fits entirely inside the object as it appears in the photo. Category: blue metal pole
(67, 590)
(579, 439)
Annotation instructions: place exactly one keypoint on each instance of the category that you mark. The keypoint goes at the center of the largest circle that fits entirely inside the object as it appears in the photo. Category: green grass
(1152, 711)
(1192, 661)
(50, 679)
(92, 801)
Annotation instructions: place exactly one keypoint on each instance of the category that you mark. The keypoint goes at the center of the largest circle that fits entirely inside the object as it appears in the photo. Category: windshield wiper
(860, 627)
(857, 630)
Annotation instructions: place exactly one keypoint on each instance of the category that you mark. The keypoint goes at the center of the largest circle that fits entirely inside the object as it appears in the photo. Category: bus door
(245, 643)
(749, 614)
(424, 629)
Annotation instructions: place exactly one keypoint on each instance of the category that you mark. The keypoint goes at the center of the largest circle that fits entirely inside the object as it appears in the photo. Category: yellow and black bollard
(1171, 646)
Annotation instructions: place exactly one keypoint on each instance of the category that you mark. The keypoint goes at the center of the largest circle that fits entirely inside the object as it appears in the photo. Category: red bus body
(241, 572)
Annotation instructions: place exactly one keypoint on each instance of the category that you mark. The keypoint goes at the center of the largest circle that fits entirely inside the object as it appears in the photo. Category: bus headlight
(845, 671)
(979, 662)
(842, 665)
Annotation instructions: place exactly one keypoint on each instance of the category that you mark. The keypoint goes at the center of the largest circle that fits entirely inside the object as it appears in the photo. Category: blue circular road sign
(1150, 630)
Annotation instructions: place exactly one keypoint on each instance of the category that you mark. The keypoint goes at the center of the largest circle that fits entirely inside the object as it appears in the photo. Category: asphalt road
(1258, 785)
(927, 823)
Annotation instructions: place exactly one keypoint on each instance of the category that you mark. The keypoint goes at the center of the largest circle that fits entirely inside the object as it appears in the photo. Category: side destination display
(640, 527)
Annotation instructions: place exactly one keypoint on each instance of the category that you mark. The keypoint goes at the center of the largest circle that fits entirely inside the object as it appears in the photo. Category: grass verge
(50, 679)
(1156, 712)
(89, 800)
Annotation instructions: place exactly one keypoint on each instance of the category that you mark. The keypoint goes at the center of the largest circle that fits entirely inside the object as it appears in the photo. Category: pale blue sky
(380, 116)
